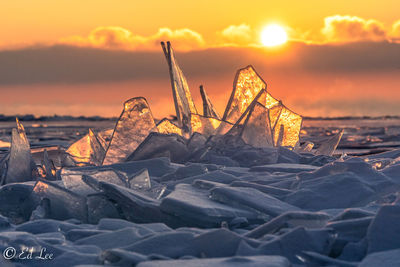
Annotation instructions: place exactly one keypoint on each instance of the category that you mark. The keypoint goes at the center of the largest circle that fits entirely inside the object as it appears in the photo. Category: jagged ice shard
(246, 86)
(208, 107)
(184, 104)
(329, 147)
(20, 162)
(165, 126)
(87, 150)
(257, 127)
(287, 128)
(133, 126)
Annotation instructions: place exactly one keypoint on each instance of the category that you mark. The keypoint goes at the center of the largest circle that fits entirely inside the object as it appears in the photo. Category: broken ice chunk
(73, 179)
(64, 204)
(330, 145)
(80, 150)
(257, 127)
(97, 149)
(196, 141)
(133, 126)
(194, 207)
(136, 206)
(159, 145)
(20, 162)
(87, 150)
(104, 137)
(208, 107)
(306, 147)
(209, 126)
(247, 85)
(100, 207)
(165, 126)
(140, 180)
(48, 166)
(17, 201)
(184, 104)
(291, 123)
(251, 198)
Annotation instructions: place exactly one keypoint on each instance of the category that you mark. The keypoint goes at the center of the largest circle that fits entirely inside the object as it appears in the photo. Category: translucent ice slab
(165, 126)
(20, 162)
(184, 104)
(208, 107)
(64, 203)
(247, 85)
(133, 126)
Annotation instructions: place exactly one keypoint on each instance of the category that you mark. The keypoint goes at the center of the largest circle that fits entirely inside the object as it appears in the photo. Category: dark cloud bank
(70, 65)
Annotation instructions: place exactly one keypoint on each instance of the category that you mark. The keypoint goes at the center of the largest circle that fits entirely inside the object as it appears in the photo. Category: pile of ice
(205, 190)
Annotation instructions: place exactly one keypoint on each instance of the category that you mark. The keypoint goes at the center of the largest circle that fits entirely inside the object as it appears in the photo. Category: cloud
(118, 38)
(237, 35)
(352, 29)
(395, 34)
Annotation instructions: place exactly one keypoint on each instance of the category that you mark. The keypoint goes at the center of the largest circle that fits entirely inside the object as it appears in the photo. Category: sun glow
(273, 35)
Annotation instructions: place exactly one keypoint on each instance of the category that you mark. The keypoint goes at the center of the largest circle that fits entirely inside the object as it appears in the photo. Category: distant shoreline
(30, 117)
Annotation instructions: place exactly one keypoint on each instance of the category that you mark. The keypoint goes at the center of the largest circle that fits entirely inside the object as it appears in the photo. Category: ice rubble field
(238, 206)
(204, 190)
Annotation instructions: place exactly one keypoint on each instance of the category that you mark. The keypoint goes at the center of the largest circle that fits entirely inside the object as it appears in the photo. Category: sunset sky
(87, 57)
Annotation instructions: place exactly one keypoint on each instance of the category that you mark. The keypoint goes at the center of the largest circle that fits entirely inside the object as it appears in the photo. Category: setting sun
(273, 35)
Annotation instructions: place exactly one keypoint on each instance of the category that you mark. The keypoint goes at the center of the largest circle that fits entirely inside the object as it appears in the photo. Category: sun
(273, 35)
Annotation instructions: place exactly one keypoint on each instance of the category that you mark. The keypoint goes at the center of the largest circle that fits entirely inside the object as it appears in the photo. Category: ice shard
(306, 147)
(209, 126)
(87, 150)
(246, 86)
(184, 104)
(20, 162)
(97, 150)
(73, 179)
(329, 146)
(133, 126)
(208, 107)
(165, 126)
(48, 166)
(64, 204)
(140, 180)
(287, 128)
(80, 150)
(257, 127)
(160, 145)
(104, 137)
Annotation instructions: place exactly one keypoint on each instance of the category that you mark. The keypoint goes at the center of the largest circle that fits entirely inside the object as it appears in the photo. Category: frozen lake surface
(227, 205)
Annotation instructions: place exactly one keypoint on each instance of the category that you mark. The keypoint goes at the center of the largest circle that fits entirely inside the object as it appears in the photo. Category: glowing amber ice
(208, 107)
(133, 126)
(184, 104)
(306, 147)
(209, 126)
(246, 86)
(20, 159)
(287, 127)
(87, 150)
(165, 126)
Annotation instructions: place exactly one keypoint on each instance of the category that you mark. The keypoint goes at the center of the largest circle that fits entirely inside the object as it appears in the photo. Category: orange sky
(87, 57)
